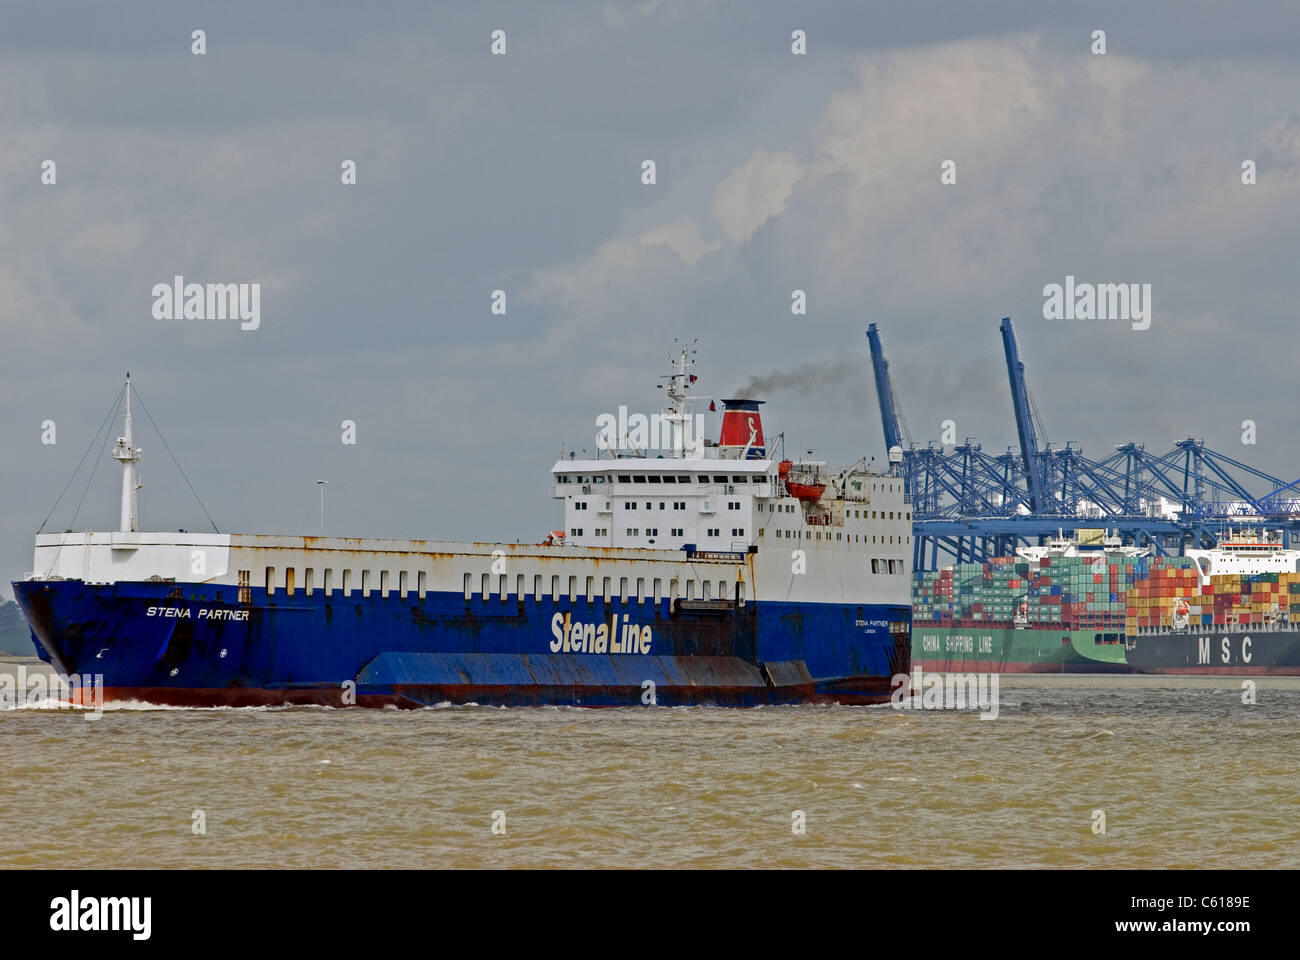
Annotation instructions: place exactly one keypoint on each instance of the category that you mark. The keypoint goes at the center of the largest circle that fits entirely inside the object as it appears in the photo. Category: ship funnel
(742, 431)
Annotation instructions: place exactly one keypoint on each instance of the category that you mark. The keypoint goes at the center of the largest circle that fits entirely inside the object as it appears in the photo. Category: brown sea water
(1187, 776)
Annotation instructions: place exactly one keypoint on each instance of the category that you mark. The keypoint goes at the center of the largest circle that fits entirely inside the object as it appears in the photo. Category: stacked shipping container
(1252, 599)
(1077, 592)
(1105, 592)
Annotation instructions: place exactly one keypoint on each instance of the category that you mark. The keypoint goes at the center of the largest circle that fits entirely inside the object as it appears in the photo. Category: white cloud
(754, 192)
(682, 237)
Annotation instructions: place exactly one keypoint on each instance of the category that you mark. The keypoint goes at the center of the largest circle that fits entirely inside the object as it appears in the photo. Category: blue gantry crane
(970, 505)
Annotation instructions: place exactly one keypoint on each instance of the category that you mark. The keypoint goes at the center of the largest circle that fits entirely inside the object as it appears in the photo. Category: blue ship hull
(192, 645)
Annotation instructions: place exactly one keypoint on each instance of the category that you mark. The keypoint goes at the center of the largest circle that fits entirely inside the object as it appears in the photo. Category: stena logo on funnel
(742, 430)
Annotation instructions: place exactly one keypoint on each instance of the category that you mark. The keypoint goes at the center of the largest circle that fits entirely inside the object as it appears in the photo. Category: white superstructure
(1246, 552)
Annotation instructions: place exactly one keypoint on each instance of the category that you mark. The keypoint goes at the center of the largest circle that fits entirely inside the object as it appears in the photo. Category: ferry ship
(691, 576)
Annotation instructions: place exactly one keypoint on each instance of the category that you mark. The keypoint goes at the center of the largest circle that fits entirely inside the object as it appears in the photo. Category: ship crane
(838, 482)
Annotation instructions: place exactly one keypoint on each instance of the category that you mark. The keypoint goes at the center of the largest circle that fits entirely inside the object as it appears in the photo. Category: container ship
(1231, 610)
(709, 573)
(1055, 608)
(1095, 606)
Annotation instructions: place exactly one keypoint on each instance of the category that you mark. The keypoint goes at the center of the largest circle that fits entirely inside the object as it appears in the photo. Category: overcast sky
(523, 172)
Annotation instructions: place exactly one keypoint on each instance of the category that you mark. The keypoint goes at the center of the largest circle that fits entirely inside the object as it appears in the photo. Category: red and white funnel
(742, 430)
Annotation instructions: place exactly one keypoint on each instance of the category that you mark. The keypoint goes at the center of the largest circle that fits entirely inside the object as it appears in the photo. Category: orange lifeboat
(804, 483)
(809, 492)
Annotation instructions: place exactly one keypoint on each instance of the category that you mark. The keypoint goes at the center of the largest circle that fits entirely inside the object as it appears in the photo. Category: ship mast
(677, 414)
(128, 454)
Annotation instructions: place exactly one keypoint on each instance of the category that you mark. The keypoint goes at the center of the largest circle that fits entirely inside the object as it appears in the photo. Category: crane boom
(1038, 499)
(884, 391)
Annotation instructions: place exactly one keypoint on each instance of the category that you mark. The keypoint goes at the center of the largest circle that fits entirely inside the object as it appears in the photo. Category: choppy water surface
(1186, 776)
